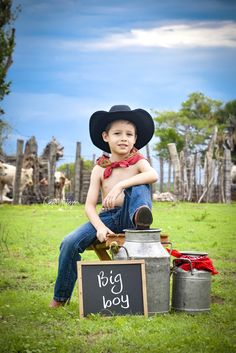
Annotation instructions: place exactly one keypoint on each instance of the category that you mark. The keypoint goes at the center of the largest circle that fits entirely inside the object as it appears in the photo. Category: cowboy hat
(139, 117)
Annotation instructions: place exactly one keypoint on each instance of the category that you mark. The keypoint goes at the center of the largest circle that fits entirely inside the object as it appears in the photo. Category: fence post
(198, 176)
(169, 176)
(67, 171)
(190, 177)
(184, 184)
(227, 175)
(30, 160)
(194, 193)
(209, 166)
(148, 154)
(94, 159)
(150, 161)
(161, 161)
(77, 176)
(220, 180)
(51, 170)
(176, 169)
(17, 180)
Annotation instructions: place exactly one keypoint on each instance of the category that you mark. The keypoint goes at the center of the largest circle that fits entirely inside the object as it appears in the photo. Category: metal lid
(151, 230)
(142, 235)
(194, 253)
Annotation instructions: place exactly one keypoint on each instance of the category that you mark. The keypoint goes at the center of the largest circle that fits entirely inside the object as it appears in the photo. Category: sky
(74, 57)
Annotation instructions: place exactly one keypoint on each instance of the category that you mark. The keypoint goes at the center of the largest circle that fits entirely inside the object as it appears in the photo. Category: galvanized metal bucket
(191, 289)
(145, 244)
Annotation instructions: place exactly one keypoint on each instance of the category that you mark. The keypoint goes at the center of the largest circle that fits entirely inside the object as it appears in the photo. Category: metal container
(145, 244)
(191, 290)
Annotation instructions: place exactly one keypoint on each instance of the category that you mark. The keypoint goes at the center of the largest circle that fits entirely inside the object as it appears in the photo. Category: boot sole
(144, 218)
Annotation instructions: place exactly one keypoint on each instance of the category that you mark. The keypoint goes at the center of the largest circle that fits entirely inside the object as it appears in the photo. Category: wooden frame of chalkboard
(112, 288)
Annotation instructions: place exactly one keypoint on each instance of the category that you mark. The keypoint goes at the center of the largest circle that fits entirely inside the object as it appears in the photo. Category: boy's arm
(90, 205)
(146, 175)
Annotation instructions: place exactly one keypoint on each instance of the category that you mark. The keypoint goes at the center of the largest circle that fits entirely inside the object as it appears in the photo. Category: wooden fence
(190, 177)
(197, 178)
(44, 168)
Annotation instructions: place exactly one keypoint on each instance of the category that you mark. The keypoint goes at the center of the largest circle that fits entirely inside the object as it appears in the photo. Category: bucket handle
(114, 252)
(185, 260)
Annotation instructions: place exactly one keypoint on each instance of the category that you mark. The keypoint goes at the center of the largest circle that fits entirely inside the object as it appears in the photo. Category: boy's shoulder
(97, 168)
(143, 163)
(97, 171)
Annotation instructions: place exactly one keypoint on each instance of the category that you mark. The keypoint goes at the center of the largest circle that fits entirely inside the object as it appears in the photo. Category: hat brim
(139, 117)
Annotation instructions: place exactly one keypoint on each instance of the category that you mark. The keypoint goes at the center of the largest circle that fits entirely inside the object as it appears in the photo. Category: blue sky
(74, 57)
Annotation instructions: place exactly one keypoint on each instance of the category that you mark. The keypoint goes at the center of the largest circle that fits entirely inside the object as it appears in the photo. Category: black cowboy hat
(139, 117)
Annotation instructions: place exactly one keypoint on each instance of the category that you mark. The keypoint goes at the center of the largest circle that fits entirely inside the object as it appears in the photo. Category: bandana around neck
(104, 162)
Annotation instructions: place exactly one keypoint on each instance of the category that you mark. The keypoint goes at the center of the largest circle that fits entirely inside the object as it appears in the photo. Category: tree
(226, 118)
(190, 128)
(70, 168)
(200, 115)
(4, 132)
(67, 168)
(167, 130)
(7, 44)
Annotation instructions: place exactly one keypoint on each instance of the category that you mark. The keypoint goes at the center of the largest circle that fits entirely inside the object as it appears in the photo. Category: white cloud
(200, 34)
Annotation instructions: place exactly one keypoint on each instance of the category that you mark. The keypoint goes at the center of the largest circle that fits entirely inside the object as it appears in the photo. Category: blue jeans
(116, 219)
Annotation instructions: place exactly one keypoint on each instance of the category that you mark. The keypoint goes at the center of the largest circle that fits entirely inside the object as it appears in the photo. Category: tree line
(191, 127)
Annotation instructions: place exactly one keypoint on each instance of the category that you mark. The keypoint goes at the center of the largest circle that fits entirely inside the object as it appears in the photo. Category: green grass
(29, 240)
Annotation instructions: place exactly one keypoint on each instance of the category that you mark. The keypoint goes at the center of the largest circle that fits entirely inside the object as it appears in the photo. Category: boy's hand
(110, 200)
(102, 233)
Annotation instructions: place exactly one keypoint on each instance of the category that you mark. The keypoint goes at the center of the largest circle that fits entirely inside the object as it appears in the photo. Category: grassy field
(29, 240)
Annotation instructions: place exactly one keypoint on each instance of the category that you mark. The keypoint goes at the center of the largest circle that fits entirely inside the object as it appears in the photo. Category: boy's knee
(65, 244)
(143, 189)
(68, 243)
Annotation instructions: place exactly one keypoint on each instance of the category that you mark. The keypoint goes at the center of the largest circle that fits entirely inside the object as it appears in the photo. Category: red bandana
(105, 162)
(201, 263)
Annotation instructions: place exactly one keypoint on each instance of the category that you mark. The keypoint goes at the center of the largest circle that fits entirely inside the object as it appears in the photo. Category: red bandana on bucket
(104, 162)
(201, 263)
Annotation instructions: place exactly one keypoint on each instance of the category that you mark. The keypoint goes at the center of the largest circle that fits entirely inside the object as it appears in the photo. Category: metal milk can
(146, 245)
(191, 289)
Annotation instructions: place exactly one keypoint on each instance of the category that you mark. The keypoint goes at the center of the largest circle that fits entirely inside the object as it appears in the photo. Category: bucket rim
(193, 253)
(150, 230)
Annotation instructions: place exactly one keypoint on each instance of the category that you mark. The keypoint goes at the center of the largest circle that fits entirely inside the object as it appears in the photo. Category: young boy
(123, 179)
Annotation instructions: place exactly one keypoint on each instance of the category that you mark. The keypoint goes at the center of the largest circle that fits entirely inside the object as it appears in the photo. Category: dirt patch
(215, 299)
(91, 338)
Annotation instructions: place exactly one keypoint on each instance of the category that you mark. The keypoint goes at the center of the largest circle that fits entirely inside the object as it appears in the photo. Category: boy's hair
(109, 125)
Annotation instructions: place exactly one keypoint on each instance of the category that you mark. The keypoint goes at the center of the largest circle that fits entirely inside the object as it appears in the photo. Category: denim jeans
(75, 243)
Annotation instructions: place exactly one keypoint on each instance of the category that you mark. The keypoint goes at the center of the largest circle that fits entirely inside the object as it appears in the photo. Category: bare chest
(118, 174)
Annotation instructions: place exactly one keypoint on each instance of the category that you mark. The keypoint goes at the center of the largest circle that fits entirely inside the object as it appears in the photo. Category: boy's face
(121, 137)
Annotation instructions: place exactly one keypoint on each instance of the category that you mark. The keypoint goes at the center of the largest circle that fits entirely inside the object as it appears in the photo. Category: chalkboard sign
(112, 288)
